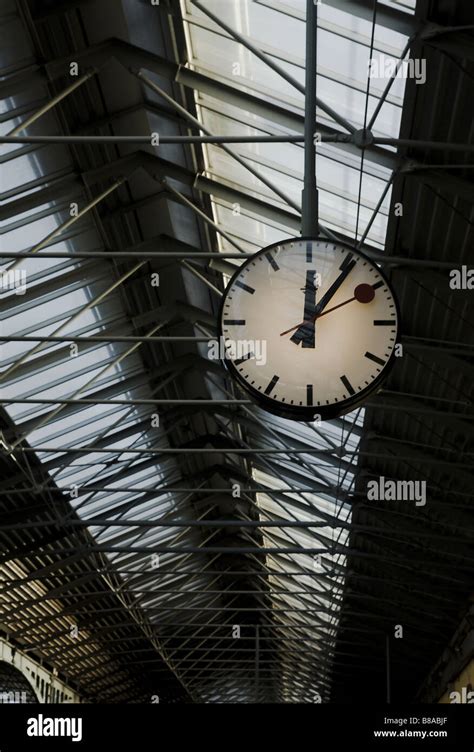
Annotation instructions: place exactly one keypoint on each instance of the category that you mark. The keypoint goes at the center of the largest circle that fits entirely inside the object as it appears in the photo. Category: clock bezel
(303, 413)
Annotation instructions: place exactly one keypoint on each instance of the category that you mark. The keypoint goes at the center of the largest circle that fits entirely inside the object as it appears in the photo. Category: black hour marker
(239, 361)
(348, 384)
(375, 358)
(309, 251)
(245, 287)
(309, 394)
(383, 322)
(234, 322)
(272, 262)
(271, 384)
(378, 284)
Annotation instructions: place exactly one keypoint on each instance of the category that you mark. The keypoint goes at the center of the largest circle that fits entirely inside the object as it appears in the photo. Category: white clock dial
(309, 327)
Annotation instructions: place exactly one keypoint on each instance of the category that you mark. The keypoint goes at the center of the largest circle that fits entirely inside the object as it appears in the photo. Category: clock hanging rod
(310, 199)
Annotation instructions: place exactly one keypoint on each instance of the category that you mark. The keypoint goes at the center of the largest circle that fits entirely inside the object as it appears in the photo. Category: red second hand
(363, 293)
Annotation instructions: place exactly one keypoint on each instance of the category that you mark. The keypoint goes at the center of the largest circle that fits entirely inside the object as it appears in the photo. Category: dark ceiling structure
(160, 535)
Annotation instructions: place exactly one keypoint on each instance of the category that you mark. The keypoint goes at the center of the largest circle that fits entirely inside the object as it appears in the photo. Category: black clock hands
(345, 269)
(305, 334)
(363, 293)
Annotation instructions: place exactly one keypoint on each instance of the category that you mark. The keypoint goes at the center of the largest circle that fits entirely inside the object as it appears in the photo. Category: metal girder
(440, 355)
(401, 403)
(445, 182)
(232, 153)
(436, 281)
(146, 139)
(417, 457)
(161, 169)
(225, 448)
(135, 58)
(335, 138)
(247, 42)
(35, 183)
(42, 11)
(58, 190)
(45, 108)
(72, 220)
(220, 524)
(178, 550)
(439, 345)
(453, 40)
(387, 16)
(168, 246)
(72, 278)
(30, 77)
(217, 258)
(24, 550)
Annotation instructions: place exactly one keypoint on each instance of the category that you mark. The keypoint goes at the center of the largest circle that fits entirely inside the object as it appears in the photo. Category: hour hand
(305, 334)
(345, 269)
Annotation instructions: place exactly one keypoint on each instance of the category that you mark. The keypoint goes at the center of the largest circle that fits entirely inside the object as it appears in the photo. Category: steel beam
(184, 200)
(452, 41)
(384, 260)
(135, 58)
(416, 143)
(389, 85)
(147, 139)
(65, 225)
(387, 16)
(48, 106)
(5, 374)
(195, 122)
(246, 42)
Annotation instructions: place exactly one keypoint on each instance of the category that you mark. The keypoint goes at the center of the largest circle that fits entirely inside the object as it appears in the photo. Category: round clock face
(308, 328)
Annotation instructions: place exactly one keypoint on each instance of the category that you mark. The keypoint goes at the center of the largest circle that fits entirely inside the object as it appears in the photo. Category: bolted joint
(363, 137)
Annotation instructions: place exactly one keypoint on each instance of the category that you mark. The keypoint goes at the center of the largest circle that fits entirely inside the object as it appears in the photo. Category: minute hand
(346, 269)
(306, 333)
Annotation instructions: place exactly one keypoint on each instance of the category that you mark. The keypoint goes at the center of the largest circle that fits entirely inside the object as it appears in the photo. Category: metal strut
(309, 197)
